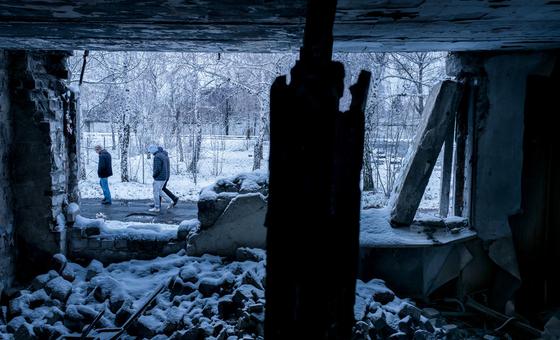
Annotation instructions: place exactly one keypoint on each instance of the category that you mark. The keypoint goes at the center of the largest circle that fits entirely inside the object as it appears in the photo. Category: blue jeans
(104, 182)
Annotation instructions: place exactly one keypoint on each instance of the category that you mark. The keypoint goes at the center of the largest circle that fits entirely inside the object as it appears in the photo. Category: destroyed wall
(7, 248)
(87, 243)
(40, 107)
(497, 86)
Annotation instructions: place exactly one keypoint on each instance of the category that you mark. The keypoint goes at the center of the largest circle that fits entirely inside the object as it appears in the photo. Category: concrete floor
(137, 211)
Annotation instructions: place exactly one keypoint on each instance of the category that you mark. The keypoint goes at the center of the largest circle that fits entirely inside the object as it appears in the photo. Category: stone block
(120, 243)
(94, 243)
(78, 244)
(107, 244)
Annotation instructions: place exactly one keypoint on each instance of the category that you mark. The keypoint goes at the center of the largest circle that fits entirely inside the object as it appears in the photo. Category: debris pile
(185, 297)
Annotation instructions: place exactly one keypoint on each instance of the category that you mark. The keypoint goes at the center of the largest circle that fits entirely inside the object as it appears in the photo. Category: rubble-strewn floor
(204, 298)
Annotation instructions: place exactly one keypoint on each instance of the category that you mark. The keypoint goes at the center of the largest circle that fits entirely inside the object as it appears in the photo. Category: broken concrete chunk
(149, 326)
(59, 262)
(15, 323)
(249, 254)
(249, 186)
(406, 309)
(59, 288)
(94, 268)
(405, 324)
(38, 298)
(68, 274)
(189, 274)
(210, 208)
(41, 280)
(187, 227)
(18, 305)
(430, 313)
(383, 296)
(25, 332)
(241, 225)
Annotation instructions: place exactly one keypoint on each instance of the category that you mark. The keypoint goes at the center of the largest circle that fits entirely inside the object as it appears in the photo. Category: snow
(376, 231)
(60, 223)
(73, 208)
(75, 88)
(131, 229)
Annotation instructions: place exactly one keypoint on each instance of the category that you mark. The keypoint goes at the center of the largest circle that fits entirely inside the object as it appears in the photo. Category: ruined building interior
(489, 270)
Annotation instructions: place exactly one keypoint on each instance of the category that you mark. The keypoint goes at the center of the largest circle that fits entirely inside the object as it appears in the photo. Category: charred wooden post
(314, 197)
(438, 115)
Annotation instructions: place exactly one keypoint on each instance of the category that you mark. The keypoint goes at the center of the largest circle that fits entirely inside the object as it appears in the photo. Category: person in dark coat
(168, 192)
(160, 175)
(104, 171)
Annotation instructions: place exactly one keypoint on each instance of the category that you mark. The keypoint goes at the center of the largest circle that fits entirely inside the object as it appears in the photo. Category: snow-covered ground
(219, 158)
(222, 157)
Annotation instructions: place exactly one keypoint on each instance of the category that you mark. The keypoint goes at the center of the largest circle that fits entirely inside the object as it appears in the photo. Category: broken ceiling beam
(438, 114)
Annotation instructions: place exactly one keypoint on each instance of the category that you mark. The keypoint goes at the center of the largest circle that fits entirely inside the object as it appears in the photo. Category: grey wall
(7, 248)
(497, 161)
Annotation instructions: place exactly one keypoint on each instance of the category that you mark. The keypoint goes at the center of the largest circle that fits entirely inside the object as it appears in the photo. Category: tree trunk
(368, 170)
(226, 118)
(114, 142)
(124, 144)
(197, 136)
(178, 132)
(420, 89)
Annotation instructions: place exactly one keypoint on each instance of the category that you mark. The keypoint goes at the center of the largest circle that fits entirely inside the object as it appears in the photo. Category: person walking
(160, 177)
(168, 192)
(104, 171)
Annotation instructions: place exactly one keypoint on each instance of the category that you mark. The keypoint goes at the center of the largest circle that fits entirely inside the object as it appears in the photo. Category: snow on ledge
(377, 232)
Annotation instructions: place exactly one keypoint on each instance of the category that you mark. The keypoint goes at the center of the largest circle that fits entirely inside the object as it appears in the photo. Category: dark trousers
(168, 192)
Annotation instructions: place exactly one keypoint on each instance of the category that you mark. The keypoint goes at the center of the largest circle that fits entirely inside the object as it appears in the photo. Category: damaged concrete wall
(499, 82)
(40, 165)
(7, 248)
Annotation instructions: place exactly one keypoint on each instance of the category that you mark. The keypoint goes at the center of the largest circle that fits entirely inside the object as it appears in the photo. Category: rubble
(206, 297)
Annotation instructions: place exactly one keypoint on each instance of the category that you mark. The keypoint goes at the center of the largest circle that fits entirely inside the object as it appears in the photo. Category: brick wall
(42, 137)
(7, 248)
(119, 247)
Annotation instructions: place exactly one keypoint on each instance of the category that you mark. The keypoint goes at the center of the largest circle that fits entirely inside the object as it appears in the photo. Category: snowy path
(137, 211)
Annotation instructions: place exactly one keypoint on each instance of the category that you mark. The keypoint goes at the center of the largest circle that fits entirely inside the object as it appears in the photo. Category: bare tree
(420, 70)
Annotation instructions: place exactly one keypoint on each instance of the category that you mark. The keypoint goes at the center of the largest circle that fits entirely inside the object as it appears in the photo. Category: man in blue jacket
(104, 171)
(160, 177)
(166, 190)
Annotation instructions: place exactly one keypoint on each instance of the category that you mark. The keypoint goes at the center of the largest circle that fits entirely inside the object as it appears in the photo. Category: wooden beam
(438, 114)
(445, 185)
(461, 132)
